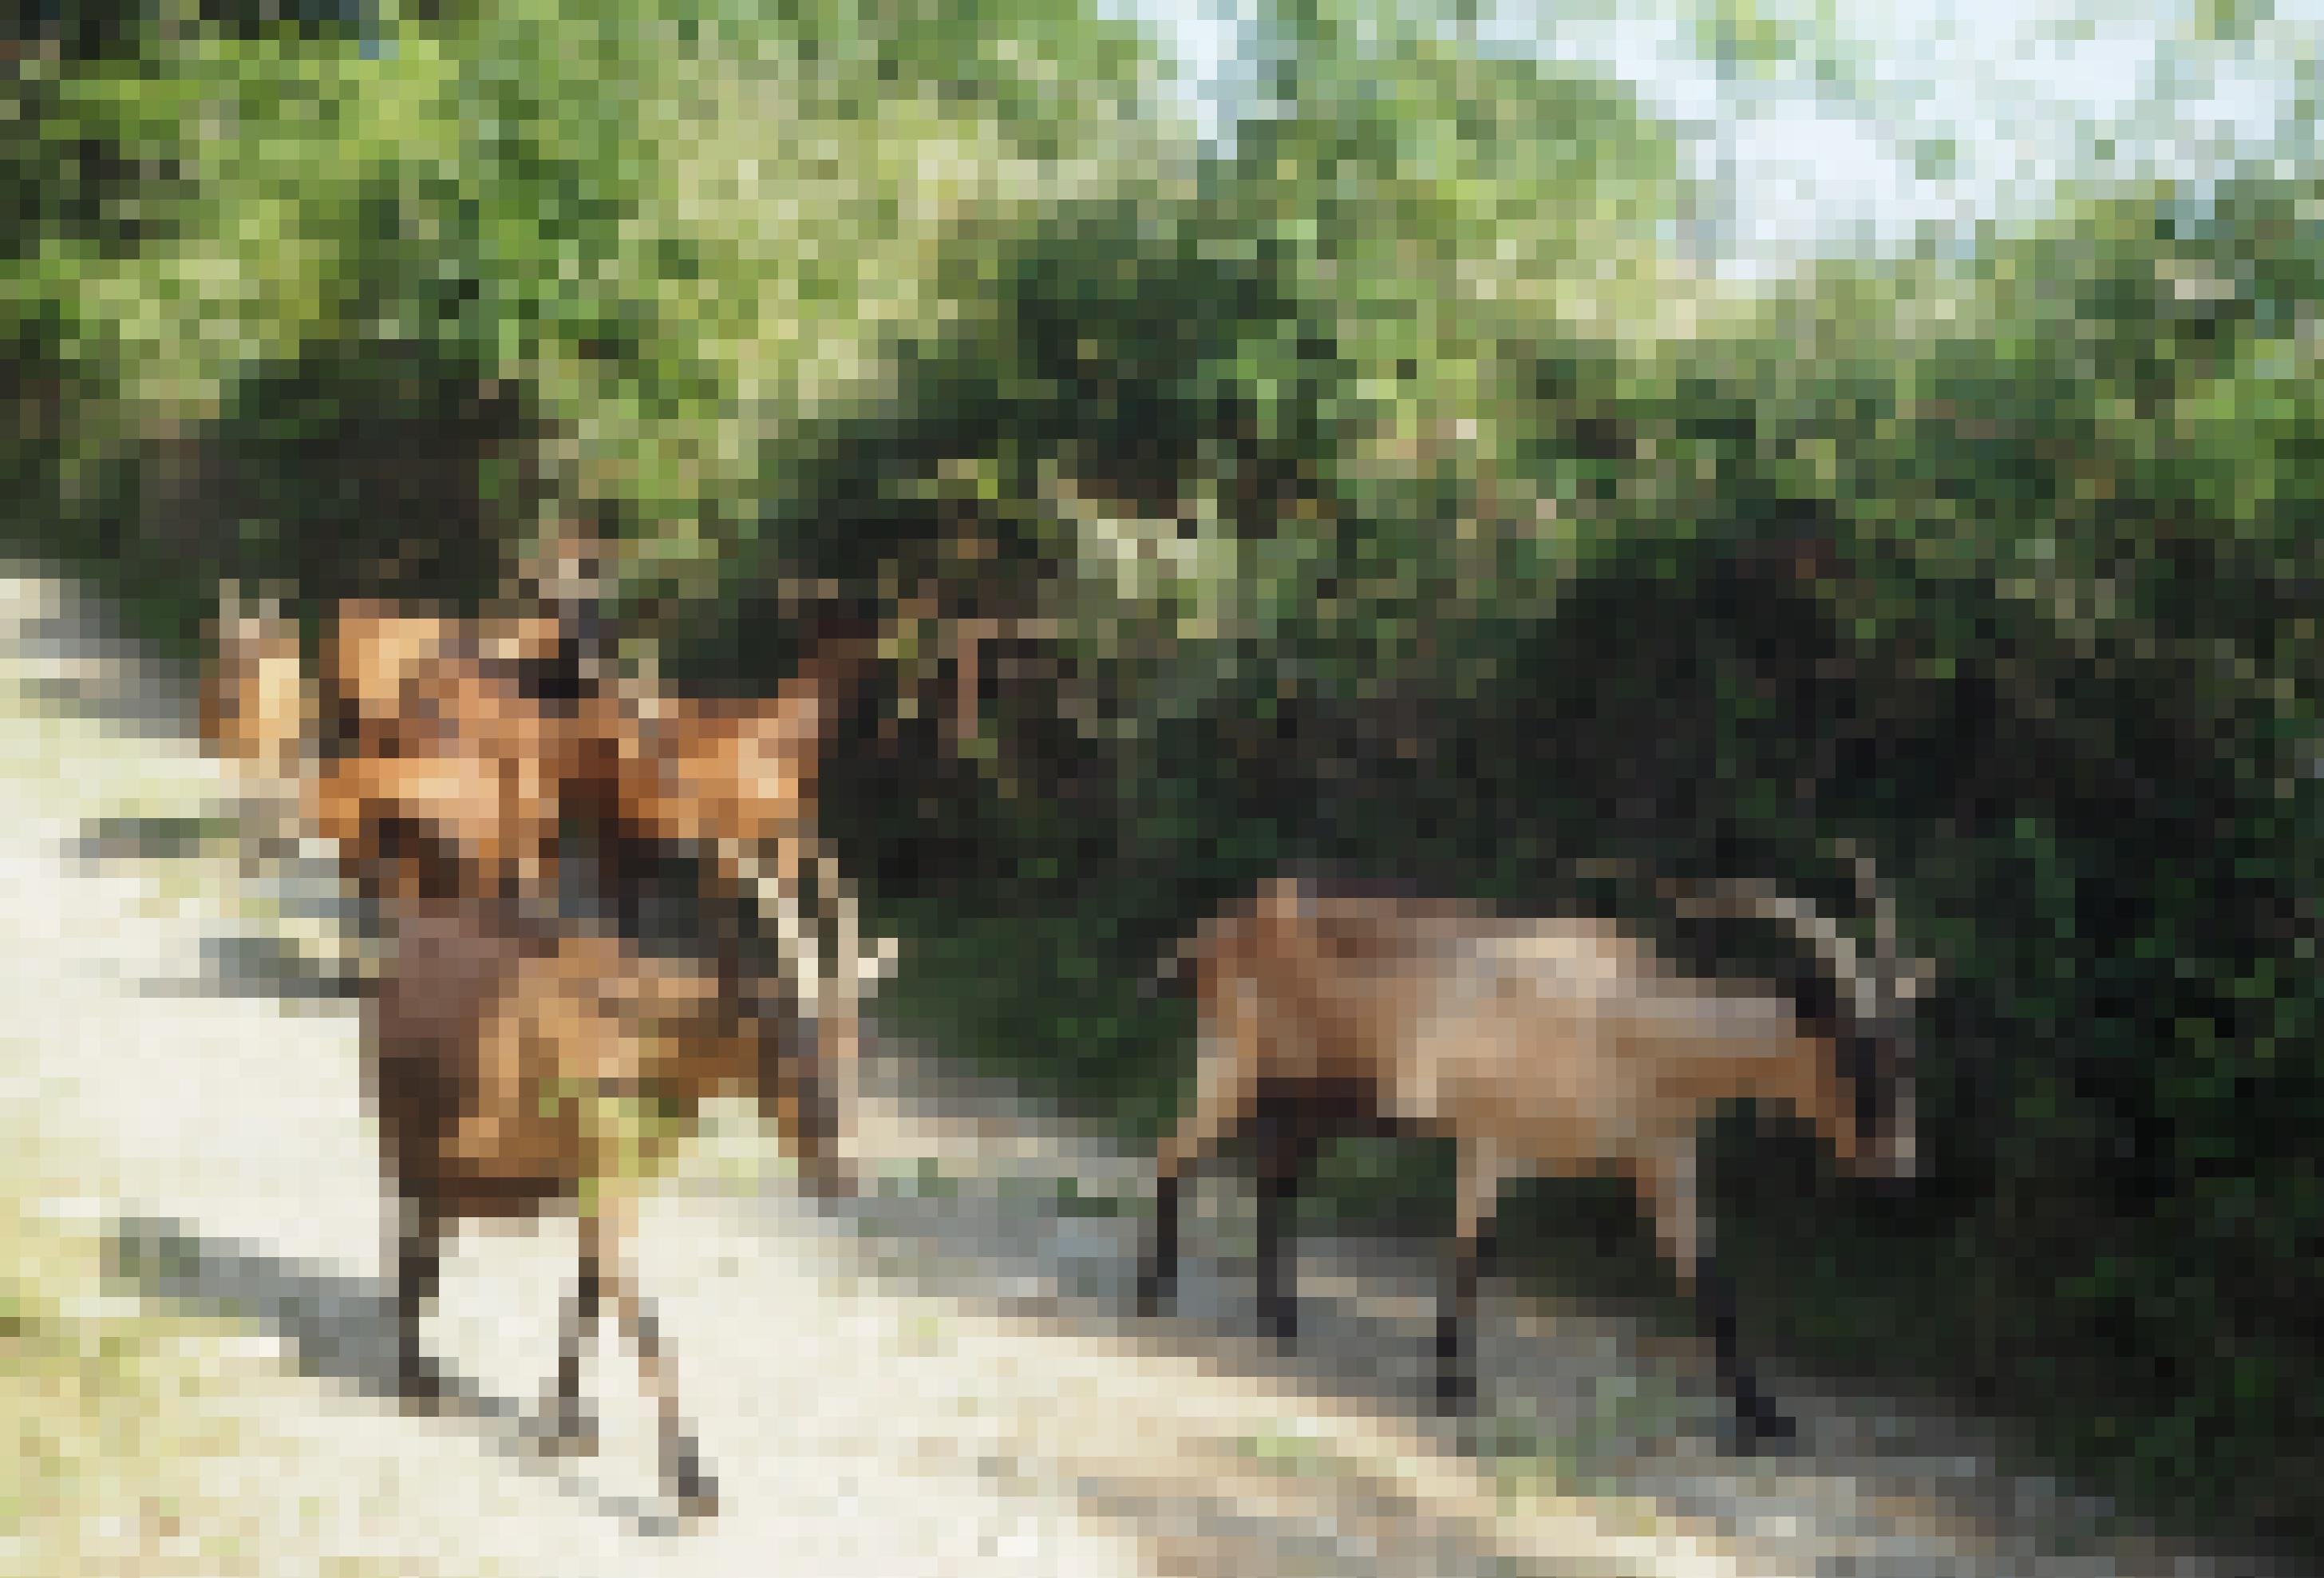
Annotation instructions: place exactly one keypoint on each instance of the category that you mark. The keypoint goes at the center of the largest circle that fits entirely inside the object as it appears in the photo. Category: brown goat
(441, 774)
(739, 780)
(461, 767)
(489, 1039)
(257, 709)
(1564, 1046)
(440, 746)
(450, 780)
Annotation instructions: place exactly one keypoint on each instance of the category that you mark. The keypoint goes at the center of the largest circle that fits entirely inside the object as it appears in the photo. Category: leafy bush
(1388, 489)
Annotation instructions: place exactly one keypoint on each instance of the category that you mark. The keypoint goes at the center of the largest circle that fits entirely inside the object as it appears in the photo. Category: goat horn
(1871, 893)
(1754, 900)
(1904, 978)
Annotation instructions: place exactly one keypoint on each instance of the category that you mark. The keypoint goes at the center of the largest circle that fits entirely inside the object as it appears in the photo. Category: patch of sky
(1819, 128)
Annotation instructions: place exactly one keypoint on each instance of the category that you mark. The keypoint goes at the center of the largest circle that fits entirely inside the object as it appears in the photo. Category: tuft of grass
(105, 1409)
(1070, 1202)
(1051, 1001)
(1297, 1456)
(117, 1416)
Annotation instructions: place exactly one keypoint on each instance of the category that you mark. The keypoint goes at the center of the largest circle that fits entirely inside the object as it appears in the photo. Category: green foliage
(684, 247)
(1387, 490)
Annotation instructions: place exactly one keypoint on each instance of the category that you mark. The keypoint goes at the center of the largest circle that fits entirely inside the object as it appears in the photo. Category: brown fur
(465, 759)
(739, 780)
(256, 705)
(446, 781)
(486, 1036)
(1563, 1046)
(729, 776)
(257, 714)
(437, 735)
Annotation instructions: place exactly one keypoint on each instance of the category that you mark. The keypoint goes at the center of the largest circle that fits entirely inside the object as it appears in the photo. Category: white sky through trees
(1855, 127)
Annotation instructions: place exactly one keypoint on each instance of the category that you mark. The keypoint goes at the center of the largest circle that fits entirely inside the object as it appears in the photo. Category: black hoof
(567, 1430)
(1456, 1395)
(1282, 1323)
(1761, 1429)
(1153, 1293)
(694, 1488)
(422, 1384)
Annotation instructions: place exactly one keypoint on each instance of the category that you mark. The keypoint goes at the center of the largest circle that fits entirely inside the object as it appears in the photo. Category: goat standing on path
(445, 778)
(741, 783)
(257, 708)
(1536, 1044)
(457, 755)
(449, 777)
(493, 1044)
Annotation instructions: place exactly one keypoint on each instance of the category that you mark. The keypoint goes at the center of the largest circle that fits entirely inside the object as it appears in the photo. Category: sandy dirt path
(940, 1379)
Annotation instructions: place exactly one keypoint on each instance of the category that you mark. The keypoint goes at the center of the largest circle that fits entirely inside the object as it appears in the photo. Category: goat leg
(571, 1430)
(683, 1476)
(1669, 1186)
(1283, 1164)
(798, 1080)
(1218, 1111)
(1456, 1383)
(1157, 1277)
(419, 1267)
(838, 1027)
(1456, 1323)
(817, 1101)
(1759, 1424)
(1475, 1238)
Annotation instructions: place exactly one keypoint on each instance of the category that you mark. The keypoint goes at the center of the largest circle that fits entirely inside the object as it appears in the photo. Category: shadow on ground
(1580, 1396)
(105, 839)
(264, 962)
(334, 1327)
(71, 658)
(340, 1329)
(266, 967)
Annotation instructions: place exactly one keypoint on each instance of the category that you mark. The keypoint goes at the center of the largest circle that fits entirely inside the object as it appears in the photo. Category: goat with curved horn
(1565, 1046)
